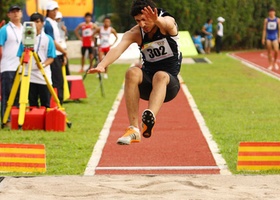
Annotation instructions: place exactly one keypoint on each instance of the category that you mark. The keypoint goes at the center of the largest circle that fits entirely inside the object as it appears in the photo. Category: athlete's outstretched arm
(166, 24)
(115, 53)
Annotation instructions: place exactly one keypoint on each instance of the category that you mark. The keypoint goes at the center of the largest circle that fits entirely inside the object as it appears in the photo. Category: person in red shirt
(84, 33)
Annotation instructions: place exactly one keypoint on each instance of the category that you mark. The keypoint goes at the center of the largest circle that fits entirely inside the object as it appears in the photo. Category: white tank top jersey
(105, 37)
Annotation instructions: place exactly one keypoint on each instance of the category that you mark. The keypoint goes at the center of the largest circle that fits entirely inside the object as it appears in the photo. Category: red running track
(258, 59)
(177, 145)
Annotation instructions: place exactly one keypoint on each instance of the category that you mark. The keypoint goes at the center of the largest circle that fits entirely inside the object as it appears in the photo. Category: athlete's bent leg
(157, 96)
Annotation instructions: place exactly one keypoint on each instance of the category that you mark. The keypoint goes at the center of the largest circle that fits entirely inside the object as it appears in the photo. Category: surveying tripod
(23, 76)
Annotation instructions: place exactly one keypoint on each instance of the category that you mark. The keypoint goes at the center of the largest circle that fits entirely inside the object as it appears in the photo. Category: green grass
(68, 152)
(237, 103)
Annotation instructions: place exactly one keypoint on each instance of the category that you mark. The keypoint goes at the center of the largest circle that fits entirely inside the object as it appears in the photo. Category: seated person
(197, 40)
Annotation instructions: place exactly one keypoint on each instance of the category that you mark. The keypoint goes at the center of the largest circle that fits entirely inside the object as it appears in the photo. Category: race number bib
(87, 32)
(271, 25)
(157, 50)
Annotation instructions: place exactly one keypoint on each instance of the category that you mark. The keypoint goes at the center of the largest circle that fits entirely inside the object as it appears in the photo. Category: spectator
(197, 40)
(63, 36)
(207, 29)
(10, 38)
(86, 28)
(51, 28)
(220, 34)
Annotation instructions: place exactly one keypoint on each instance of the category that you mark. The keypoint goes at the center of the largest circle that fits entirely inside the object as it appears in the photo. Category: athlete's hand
(150, 13)
(263, 42)
(98, 69)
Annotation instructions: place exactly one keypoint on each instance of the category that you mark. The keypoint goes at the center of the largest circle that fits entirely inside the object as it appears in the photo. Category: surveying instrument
(22, 77)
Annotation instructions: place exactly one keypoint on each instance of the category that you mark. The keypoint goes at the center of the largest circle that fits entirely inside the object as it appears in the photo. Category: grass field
(238, 104)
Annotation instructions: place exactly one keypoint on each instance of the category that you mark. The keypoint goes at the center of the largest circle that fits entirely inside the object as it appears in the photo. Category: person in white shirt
(45, 49)
(104, 37)
(220, 34)
(51, 28)
(10, 38)
(63, 35)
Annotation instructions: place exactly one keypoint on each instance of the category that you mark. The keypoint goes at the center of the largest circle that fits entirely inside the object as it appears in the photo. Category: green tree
(242, 28)
(5, 4)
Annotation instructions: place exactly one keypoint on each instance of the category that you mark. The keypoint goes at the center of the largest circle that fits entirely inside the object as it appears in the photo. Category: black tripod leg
(101, 85)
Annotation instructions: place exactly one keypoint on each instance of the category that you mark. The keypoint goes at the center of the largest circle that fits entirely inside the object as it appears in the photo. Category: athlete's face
(107, 22)
(271, 14)
(144, 23)
(88, 19)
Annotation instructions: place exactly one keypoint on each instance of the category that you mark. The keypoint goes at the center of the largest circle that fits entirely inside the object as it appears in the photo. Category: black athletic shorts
(172, 88)
(83, 50)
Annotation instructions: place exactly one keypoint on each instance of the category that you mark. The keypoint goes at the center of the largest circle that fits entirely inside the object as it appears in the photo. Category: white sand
(142, 187)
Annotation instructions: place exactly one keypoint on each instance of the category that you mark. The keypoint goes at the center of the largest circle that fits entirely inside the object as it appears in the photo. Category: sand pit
(141, 187)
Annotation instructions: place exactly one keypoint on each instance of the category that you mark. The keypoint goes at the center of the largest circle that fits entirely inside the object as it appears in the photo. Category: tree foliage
(5, 4)
(242, 28)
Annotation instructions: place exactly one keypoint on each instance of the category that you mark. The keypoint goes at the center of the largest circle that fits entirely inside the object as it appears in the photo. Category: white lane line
(98, 148)
(205, 131)
(265, 56)
(158, 168)
(207, 60)
(256, 67)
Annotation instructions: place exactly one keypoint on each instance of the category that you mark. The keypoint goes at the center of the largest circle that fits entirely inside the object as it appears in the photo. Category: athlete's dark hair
(138, 5)
(271, 9)
(208, 20)
(106, 17)
(88, 15)
(35, 16)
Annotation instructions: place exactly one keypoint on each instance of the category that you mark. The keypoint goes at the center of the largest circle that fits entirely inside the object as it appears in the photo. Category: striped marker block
(22, 158)
(258, 156)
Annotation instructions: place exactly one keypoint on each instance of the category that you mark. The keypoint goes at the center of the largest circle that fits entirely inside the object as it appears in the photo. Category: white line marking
(97, 151)
(158, 168)
(265, 56)
(205, 131)
(255, 66)
(207, 60)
